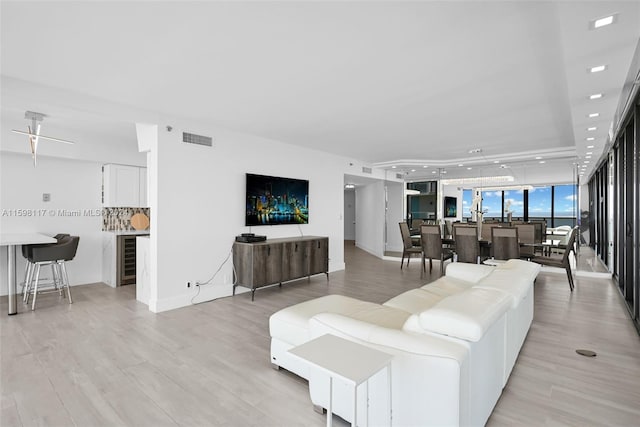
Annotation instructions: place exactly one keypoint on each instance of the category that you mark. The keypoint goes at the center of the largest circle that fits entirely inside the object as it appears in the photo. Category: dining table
(12, 241)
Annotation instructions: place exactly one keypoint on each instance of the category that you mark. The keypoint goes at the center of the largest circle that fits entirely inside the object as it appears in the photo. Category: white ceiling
(402, 84)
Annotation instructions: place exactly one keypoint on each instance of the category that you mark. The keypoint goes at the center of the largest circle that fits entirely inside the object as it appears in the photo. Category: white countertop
(10, 239)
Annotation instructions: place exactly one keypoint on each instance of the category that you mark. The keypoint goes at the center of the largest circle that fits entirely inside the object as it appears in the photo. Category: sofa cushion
(467, 315)
(380, 315)
(414, 301)
(468, 272)
(446, 286)
(291, 324)
(515, 277)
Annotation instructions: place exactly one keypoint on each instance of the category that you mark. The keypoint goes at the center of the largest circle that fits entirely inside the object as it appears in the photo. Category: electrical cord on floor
(208, 282)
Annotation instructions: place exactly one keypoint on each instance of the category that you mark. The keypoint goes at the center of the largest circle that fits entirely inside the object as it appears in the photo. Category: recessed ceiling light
(603, 22)
(589, 146)
(591, 129)
(496, 161)
(542, 161)
(460, 165)
(433, 171)
(538, 157)
(503, 166)
(597, 68)
(587, 161)
(591, 139)
(425, 166)
(413, 170)
(594, 115)
(393, 167)
(469, 169)
(444, 171)
(589, 153)
(587, 157)
(595, 96)
(349, 186)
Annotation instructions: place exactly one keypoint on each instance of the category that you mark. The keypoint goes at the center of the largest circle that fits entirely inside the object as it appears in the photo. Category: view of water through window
(540, 206)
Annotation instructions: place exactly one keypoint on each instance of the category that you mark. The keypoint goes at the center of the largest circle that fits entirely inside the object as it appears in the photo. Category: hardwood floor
(106, 360)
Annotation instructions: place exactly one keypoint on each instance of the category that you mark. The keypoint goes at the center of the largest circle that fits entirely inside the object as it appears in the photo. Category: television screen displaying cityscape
(274, 200)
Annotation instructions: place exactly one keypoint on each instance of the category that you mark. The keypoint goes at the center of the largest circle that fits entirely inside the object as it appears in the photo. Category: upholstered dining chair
(561, 262)
(504, 243)
(409, 247)
(467, 246)
(527, 234)
(431, 242)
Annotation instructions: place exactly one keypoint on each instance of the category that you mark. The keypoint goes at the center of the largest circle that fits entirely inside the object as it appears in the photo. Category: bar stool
(27, 254)
(55, 255)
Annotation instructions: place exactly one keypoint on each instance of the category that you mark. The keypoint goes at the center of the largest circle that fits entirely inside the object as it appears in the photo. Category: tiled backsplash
(119, 219)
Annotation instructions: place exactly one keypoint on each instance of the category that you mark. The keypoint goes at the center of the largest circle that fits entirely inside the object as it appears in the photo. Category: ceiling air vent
(192, 138)
(399, 176)
(366, 169)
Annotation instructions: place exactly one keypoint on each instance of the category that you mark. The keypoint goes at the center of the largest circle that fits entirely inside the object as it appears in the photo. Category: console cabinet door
(267, 264)
(295, 261)
(319, 256)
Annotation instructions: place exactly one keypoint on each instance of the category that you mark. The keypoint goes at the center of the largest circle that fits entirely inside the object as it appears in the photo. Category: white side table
(346, 360)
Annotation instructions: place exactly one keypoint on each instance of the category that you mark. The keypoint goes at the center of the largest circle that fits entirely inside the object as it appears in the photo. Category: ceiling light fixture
(425, 166)
(592, 115)
(496, 161)
(589, 153)
(589, 146)
(542, 161)
(413, 170)
(349, 186)
(603, 22)
(469, 169)
(460, 165)
(34, 133)
(587, 157)
(597, 68)
(591, 129)
(587, 161)
(538, 157)
(475, 150)
(591, 139)
(595, 96)
(393, 167)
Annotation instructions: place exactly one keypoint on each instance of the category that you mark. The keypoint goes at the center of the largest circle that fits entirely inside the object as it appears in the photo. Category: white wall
(197, 199)
(394, 215)
(370, 222)
(73, 185)
(349, 215)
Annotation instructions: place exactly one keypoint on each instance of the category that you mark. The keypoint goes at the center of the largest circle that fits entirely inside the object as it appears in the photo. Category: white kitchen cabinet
(124, 186)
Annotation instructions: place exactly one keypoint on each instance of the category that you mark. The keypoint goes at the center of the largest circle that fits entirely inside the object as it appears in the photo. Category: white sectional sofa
(454, 341)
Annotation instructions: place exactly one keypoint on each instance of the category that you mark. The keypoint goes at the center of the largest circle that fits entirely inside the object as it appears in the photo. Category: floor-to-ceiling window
(467, 200)
(616, 184)
(540, 204)
(564, 205)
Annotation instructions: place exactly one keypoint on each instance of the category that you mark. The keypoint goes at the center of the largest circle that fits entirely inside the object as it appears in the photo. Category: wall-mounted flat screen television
(450, 207)
(275, 200)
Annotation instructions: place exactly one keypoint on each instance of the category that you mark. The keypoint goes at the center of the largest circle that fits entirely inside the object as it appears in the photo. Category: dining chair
(432, 248)
(467, 246)
(563, 261)
(409, 247)
(504, 243)
(540, 233)
(526, 234)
